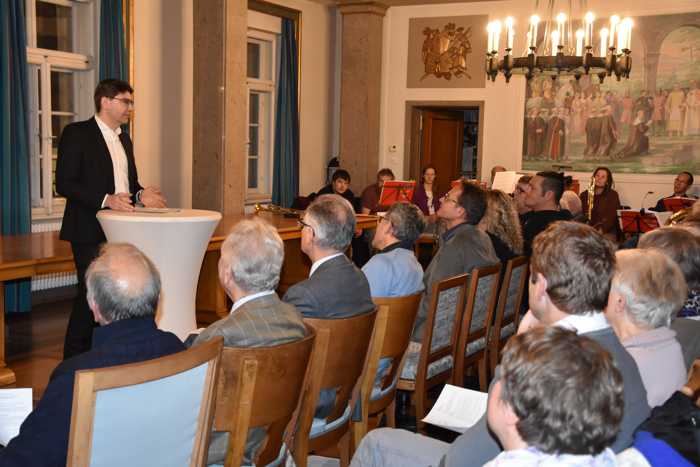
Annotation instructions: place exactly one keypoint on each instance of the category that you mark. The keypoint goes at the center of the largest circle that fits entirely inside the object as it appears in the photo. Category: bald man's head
(122, 283)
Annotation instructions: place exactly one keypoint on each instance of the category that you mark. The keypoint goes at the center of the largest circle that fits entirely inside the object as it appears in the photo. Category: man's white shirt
(118, 156)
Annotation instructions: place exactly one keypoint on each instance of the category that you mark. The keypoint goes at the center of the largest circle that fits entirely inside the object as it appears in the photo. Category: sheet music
(506, 181)
(457, 408)
(15, 406)
(662, 217)
(156, 210)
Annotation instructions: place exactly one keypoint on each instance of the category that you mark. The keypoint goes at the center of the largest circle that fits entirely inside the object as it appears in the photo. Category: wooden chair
(692, 386)
(337, 368)
(508, 310)
(392, 332)
(153, 413)
(432, 361)
(476, 323)
(258, 394)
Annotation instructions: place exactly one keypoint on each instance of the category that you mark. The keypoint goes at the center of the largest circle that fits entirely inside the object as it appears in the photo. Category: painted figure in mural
(644, 103)
(691, 125)
(608, 133)
(535, 129)
(638, 141)
(556, 135)
(658, 116)
(593, 129)
(674, 106)
(578, 124)
(627, 109)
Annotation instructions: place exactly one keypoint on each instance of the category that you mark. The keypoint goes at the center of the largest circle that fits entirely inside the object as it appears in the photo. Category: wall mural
(647, 124)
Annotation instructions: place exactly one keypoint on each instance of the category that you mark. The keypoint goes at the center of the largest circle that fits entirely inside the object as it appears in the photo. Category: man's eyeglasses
(125, 101)
(446, 197)
(303, 224)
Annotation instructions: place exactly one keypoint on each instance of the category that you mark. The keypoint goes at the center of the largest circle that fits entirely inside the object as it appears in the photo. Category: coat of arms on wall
(445, 52)
(440, 52)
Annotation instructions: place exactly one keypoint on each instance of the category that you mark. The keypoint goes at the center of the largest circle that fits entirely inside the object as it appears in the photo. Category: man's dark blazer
(43, 437)
(84, 175)
(337, 289)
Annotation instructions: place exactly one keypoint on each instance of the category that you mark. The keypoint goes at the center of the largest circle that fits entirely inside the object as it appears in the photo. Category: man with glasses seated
(96, 170)
(463, 247)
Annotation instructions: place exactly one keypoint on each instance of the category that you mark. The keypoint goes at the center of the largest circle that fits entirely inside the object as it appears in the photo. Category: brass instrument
(678, 216)
(286, 212)
(591, 198)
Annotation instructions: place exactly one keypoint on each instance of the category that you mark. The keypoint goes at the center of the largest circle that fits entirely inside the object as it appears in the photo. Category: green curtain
(114, 57)
(15, 200)
(285, 179)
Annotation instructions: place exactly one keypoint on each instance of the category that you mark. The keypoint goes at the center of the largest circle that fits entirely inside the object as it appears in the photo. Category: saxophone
(591, 198)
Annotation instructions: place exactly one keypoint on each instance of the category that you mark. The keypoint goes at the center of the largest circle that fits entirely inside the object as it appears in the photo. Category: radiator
(51, 281)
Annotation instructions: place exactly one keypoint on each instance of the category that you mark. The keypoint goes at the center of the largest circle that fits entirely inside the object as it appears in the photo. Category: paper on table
(15, 406)
(457, 408)
(156, 210)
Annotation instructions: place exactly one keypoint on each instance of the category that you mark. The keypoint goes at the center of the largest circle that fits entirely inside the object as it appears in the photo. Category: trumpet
(286, 212)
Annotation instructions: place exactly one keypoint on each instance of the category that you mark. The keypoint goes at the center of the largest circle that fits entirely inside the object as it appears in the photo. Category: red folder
(676, 204)
(634, 222)
(396, 191)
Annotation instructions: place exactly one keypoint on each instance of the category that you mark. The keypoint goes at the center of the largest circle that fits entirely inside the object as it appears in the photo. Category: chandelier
(568, 47)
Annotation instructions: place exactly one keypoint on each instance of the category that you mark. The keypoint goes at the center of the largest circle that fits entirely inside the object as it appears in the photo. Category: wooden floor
(34, 344)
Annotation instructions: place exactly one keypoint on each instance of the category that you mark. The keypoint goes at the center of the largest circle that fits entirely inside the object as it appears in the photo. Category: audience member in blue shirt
(394, 271)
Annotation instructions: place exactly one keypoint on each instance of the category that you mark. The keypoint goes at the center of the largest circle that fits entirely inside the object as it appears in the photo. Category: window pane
(58, 122)
(253, 60)
(253, 140)
(252, 172)
(254, 114)
(54, 27)
(62, 91)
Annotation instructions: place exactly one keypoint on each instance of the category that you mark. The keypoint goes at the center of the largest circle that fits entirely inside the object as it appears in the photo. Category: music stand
(637, 222)
(676, 204)
(396, 191)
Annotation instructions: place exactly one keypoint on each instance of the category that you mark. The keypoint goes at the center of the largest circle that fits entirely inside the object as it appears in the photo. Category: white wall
(503, 103)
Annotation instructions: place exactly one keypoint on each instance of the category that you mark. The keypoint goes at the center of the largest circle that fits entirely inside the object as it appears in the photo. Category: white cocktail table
(176, 242)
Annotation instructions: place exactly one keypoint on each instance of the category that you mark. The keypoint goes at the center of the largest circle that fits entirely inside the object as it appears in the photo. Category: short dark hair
(578, 263)
(341, 173)
(524, 179)
(565, 390)
(385, 173)
(473, 200)
(690, 177)
(554, 182)
(681, 245)
(110, 88)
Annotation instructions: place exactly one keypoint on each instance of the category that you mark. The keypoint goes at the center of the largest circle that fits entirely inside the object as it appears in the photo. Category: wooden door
(442, 137)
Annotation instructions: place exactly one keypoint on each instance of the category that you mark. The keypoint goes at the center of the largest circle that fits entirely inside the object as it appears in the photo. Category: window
(61, 80)
(261, 75)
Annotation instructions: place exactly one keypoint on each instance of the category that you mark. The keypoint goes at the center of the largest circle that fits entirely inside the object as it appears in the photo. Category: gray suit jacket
(337, 289)
(477, 446)
(261, 322)
(467, 248)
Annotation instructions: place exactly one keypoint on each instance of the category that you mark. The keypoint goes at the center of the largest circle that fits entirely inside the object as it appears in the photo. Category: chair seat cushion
(475, 346)
(507, 331)
(321, 426)
(410, 367)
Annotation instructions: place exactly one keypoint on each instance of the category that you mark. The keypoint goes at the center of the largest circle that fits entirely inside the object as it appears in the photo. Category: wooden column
(220, 96)
(360, 91)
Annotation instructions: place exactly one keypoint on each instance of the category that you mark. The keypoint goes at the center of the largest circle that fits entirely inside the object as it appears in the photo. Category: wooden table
(25, 256)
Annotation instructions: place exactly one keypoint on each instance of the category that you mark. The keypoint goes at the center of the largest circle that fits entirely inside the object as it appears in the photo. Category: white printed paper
(15, 406)
(506, 181)
(457, 408)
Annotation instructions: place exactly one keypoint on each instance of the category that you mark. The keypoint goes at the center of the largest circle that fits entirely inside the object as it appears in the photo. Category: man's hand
(119, 202)
(151, 197)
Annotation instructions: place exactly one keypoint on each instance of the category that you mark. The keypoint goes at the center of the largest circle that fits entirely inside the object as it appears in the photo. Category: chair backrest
(392, 332)
(511, 295)
(123, 415)
(277, 383)
(337, 368)
(442, 322)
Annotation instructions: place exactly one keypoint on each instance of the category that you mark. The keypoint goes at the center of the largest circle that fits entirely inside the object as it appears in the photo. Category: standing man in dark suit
(96, 170)
(249, 270)
(336, 288)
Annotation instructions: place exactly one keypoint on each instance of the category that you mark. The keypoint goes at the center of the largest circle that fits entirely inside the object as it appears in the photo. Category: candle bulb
(579, 43)
(534, 21)
(621, 36)
(561, 21)
(628, 30)
(489, 29)
(588, 38)
(496, 34)
(603, 41)
(614, 20)
(509, 33)
(555, 42)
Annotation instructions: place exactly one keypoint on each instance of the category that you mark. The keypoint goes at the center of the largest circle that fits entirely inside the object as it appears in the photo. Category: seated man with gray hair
(394, 270)
(336, 288)
(249, 270)
(123, 287)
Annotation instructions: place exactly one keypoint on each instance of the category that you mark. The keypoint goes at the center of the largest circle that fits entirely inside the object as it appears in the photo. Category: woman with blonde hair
(502, 225)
